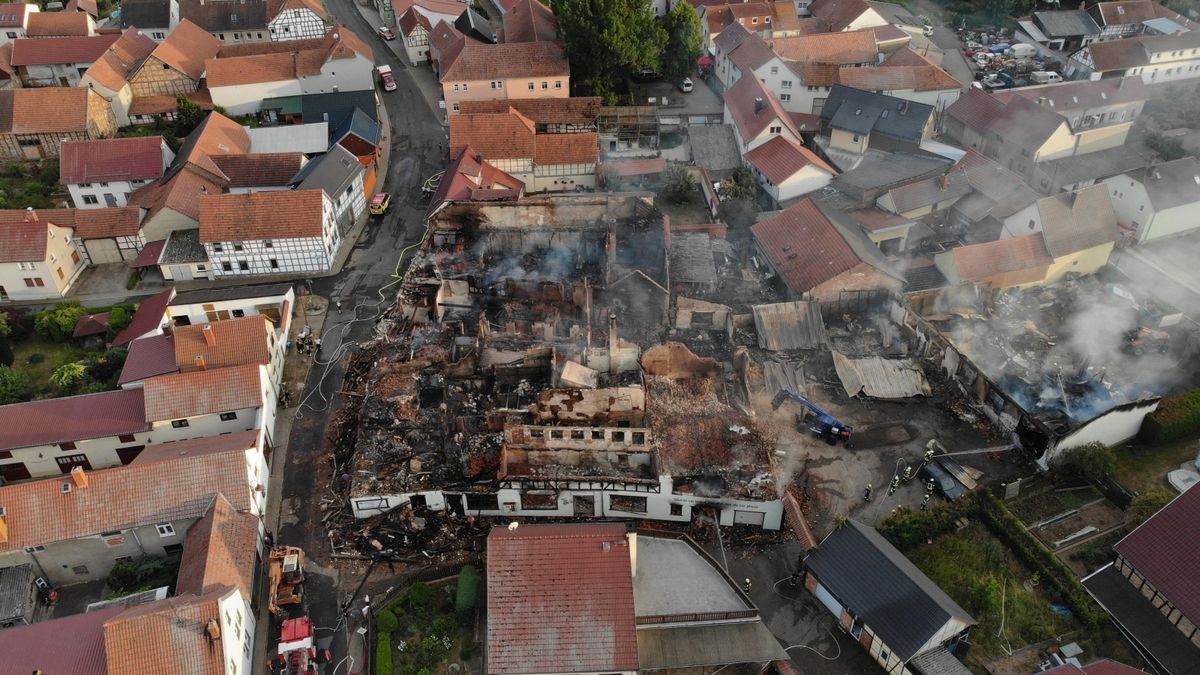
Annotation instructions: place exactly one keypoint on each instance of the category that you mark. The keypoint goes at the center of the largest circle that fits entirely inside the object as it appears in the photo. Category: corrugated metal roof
(938, 662)
(707, 645)
(790, 325)
(878, 377)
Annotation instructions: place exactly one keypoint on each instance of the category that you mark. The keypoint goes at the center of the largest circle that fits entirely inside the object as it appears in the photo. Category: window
(774, 70)
(165, 529)
(35, 549)
(476, 502)
(237, 246)
(456, 87)
(627, 504)
(34, 282)
(12, 35)
(776, 130)
(558, 84)
(785, 97)
(857, 138)
(786, 84)
(754, 21)
(677, 509)
(227, 267)
(228, 416)
(455, 106)
(90, 199)
(218, 248)
(80, 570)
(530, 86)
(173, 549)
(75, 257)
(123, 559)
(243, 265)
(540, 500)
(158, 35)
(179, 424)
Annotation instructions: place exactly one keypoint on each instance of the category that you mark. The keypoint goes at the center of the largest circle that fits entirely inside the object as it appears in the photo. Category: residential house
(339, 174)
(269, 233)
(434, 11)
(214, 401)
(530, 21)
(38, 259)
(857, 120)
(786, 169)
(298, 20)
(155, 18)
(1158, 201)
(339, 62)
(885, 603)
(1100, 114)
(88, 7)
(60, 24)
(109, 75)
(1067, 29)
(14, 18)
(888, 231)
(255, 339)
(833, 16)
(1122, 19)
(926, 197)
(1149, 590)
(274, 301)
(1072, 173)
(620, 603)
(58, 61)
(415, 28)
(469, 178)
(474, 26)
(1154, 58)
(109, 235)
(769, 19)
(231, 23)
(815, 258)
(128, 513)
(260, 172)
(542, 160)
(757, 115)
(102, 173)
(504, 71)
(1016, 262)
(925, 84)
(1001, 203)
(175, 68)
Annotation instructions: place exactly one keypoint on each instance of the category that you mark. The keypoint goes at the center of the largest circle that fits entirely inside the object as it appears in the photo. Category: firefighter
(895, 484)
(746, 586)
(925, 502)
(928, 455)
(867, 493)
(929, 486)
(908, 473)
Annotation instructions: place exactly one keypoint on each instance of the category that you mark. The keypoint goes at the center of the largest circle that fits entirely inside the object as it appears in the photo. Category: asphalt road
(417, 141)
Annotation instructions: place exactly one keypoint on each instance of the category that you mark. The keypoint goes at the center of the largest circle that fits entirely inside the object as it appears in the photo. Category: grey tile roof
(229, 293)
(938, 662)
(1066, 23)
(332, 172)
(879, 585)
(1171, 651)
(15, 585)
(865, 112)
(1077, 221)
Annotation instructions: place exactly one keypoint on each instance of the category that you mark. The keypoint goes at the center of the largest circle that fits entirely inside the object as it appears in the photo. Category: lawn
(691, 212)
(1141, 468)
(37, 357)
(983, 576)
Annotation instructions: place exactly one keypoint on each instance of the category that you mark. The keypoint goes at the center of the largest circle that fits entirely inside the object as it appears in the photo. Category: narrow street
(417, 141)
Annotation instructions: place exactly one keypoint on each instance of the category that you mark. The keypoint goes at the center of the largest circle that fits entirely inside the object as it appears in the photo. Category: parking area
(701, 100)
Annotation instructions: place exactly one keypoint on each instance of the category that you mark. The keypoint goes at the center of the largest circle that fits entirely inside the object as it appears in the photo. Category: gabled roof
(866, 112)
(1020, 121)
(216, 135)
(106, 223)
(840, 48)
(111, 159)
(23, 241)
(148, 357)
(332, 172)
(781, 158)
(73, 418)
(560, 599)
(469, 178)
(12, 14)
(1165, 549)
(58, 24)
(472, 25)
(235, 342)
(259, 170)
(220, 549)
(92, 324)
(148, 317)
(411, 20)
(113, 68)
(40, 646)
(582, 148)
(804, 247)
(447, 43)
(837, 15)
(1171, 184)
(505, 135)
(530, 21)
(202, 392)
(145, 14)
(217, 17)
(166, 636)
(1066, 23)
(359, 125)
(123, 497)
(1008, 191)
(741, 100)
(60, 50)
(1120, 13)
(1077, 221)
(930, 191)
(186, 49)
(731, 37)
(262, 215)
(257, 62)
(882, 588)
(1026, 254)
(87, 6)
(479, 61)
(582, 110)
(1064, 97)
(898, 78)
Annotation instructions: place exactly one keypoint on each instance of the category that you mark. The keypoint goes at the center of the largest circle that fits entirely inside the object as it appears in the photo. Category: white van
(1045, 77)
(1022, 51)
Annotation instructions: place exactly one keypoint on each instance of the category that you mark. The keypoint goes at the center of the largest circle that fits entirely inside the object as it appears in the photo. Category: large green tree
(684, 42)
(606, 38)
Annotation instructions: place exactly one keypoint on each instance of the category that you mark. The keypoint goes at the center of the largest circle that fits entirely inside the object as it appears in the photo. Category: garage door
(828, 600)
(103, 251)
(748, 518)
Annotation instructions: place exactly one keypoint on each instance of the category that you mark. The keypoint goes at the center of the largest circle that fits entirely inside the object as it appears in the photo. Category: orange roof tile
(181, 193)
(804, 247)
(1027, 255)
(285, 60)
(840, 48)
(507, 135)
(157, 105)
(574, 110)
(186, 49)
(780, 158)
(410, 20)
(218, 135)
(219, 551)
(58, 24)
(479, 61)
(60, 50)
(111, 159)
(113, 68)
(106, 223)
(581, 148)
(124, 497)
(166, 637)
(837, 15)
(741, 100)
(203, 392)
(262, 215)
(23, 241)
(267, 168)
(530, 21)
(48, 110)
(235, 342)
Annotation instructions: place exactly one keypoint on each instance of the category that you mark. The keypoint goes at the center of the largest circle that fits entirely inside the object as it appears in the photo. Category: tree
(1147, 504)
(678, 184)
(1089, 463)
(188, 116)
(58, 322)
(684, 43)
(14, 388)
(606, 37)
(736, 213)
(5, 329)
(68, 377)
(739, 185)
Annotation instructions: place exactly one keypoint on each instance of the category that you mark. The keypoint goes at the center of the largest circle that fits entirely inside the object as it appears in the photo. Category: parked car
(386, 33)
(1045, 77)
(1022, 51)
(686, 85)
(927, 31)
(386, 79)
(943, 482)
(380, 203)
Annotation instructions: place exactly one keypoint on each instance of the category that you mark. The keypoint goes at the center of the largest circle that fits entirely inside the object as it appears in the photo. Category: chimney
(200, 364)
(613, 341)
(632, 537)
(80, 477)
(31, 216)
(209, 338)
(3, 530)
(759, 104)
(212, 630)
(944, 181)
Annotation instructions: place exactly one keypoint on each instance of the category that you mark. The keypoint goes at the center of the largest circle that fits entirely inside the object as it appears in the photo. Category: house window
(173, 549)
(785, 97)
(677, 509)
(857, 138)
(158, 35)
(35, 282)
(774, 70)
(237, 313)
(627, 504)
(127, 438)
(786, 84)
(75, 257)
(243, 265)
(227, 267)
(530, 86)
(237, 246)
(754, 21)
(165, 529)
(179, 424)
(545, 86)
(558, 84)
(776, 130)
(90, 199)
(456, 87)
(65, 447)
(228, 416)
(274, 263)
(12, 35)
(217, 248)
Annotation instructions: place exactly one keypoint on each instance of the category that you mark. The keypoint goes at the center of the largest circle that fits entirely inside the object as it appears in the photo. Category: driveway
(701, 100)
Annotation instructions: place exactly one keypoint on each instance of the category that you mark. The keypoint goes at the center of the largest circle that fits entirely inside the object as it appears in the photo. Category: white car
(686, 85)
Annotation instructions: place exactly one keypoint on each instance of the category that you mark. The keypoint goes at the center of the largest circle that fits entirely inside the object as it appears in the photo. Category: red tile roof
(91, 324)
(804, 247)
(121, 498)
(898, 78)
(1018, 120)
(262, 215)
(875, 220)
(111, 159)
(530, 21)
(254, 170)
(470, 178)
(40, 647)
(166, 637)
(204, 445)
(575, 110)
(157, 105)
(837, 15)
(740, 100)
(581, 148)
(236, 342)
(60, 50)
(58, 24)
(118, 221)
(149, 255)
(1027, 254)
(47, 110)
(219, 551)
(1120, 13)
(479, 61)
(560, 599)
(114, 67)
(22, 241)
(506, 135)
(12, 14)
(203, 392)
(780, 158)
(1166, 551)
(1110, 667)
(186, 49)
(840, 48)
(73, 418)
(410, 20)
(148, 357)
(147, 318)
(88, 6)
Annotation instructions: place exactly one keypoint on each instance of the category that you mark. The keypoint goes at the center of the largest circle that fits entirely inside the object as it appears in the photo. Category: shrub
(1177, 416)
(1147, 504)
(1089, 463)
(118, 318)
(387, 622)
(58, 322)
(678, 184)
(6, 353)
(468, 593)
(14, 386)
(383, 653)
(419, 601)
(908, 528)
(18, 323)
(444, 626)
(68, 377)
(132, 281)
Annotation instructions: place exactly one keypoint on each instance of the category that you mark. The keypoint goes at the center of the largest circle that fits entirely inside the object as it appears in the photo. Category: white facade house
(1158, 201)
(340, 175)
(1155, 58)
(757, 115)
(14, 19)
(211, 402)
(299, 20)
(787, 170)
(269, 233)
(103, 172)
(275, 301)
(415, 28)
(40, 261)
(155, 18)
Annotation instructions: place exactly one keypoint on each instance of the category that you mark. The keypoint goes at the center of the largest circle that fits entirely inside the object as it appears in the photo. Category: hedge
(383, 653)
(468, 592)
(1177, 416)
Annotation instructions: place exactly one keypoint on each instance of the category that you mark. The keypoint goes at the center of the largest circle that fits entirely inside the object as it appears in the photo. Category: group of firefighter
(907, 476)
